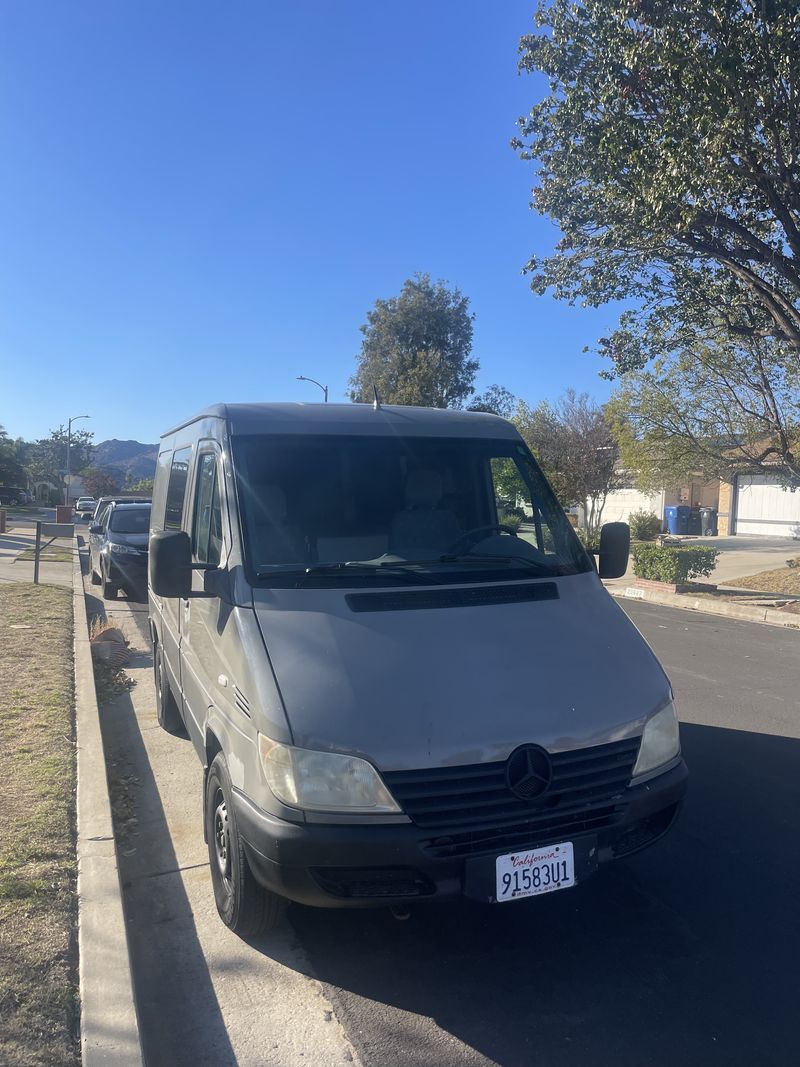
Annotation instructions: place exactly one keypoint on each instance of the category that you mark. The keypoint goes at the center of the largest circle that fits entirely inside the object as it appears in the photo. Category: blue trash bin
(671, 515)
(684, 518)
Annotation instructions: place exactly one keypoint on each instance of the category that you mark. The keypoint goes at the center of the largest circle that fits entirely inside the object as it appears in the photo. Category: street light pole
(68, 480)
(324, 388)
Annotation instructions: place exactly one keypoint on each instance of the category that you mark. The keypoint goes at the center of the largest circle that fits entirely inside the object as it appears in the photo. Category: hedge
(673, 565)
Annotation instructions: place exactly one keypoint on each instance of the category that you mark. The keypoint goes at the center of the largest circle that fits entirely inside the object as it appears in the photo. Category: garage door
(766, 508)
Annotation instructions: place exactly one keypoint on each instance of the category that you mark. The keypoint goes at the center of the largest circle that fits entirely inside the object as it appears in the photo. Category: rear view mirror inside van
(171, 563)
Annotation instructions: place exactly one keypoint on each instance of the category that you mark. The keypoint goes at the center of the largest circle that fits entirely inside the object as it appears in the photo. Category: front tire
(94, 577)
(169, 717)
(109, 588)
(244, 905)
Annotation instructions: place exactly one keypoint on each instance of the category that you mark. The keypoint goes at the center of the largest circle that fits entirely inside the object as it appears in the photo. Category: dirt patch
(781, 580)
(39, 1016)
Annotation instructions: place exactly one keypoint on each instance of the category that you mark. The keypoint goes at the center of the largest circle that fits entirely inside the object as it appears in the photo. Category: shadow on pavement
(181, 1022)
(685, 954)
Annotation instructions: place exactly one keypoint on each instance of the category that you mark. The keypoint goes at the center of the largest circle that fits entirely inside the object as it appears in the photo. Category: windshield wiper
(395, 570)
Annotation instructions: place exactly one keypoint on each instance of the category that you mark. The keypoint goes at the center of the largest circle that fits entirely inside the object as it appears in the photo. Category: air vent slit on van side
(241, 701)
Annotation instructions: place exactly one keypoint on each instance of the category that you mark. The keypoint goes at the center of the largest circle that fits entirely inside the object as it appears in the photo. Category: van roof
(354, 419)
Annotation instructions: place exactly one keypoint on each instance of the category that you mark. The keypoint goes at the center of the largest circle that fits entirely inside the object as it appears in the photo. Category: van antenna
(376, 403)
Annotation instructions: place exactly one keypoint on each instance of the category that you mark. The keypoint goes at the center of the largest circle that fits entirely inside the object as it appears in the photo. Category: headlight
(124, 550)
(323, 781)
(661, 741)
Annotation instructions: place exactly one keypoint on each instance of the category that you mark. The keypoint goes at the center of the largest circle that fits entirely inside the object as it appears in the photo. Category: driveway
(686, 954)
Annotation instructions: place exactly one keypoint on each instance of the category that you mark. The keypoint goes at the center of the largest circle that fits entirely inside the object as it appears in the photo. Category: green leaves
(573, 443)
(674, 565)
(671, 135)
(668, 153)
(416, 347)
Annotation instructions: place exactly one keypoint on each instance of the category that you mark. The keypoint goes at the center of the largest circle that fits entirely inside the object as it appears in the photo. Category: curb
(743, 612)
(109, 1024)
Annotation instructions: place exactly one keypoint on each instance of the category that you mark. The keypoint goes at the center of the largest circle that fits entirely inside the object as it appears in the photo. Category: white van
(397, 697)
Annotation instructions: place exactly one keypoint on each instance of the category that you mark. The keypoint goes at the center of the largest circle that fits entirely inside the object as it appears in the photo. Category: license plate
(539, 870)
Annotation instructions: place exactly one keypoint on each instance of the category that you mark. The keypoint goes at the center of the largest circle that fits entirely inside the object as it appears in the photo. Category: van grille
(471, 809)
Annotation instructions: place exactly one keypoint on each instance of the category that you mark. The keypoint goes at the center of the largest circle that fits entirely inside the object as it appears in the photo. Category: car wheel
(94, 577)
(109, 588)
(244, 905)
(169, 717)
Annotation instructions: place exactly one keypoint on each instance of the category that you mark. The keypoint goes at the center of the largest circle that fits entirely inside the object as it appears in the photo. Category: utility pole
(324, 388)
(68, 479)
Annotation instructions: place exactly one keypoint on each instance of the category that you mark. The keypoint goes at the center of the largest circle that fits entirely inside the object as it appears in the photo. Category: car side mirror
(615, 546)
(95, 528)
(170, 563)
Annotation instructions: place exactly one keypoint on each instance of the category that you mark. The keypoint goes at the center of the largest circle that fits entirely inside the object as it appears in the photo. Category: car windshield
(336, 509)
(130, 521)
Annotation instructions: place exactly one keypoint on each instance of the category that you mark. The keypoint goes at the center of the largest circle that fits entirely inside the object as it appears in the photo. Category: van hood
(412, 689)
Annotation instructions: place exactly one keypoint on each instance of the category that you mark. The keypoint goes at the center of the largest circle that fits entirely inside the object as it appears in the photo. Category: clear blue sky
(200, 201)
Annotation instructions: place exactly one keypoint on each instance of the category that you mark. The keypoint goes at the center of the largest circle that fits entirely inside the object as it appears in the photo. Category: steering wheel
(472, 537)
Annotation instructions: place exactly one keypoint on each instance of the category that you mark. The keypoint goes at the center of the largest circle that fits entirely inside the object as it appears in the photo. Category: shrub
(590, 541)
(645, 526)
(511, 519)
(674, 565)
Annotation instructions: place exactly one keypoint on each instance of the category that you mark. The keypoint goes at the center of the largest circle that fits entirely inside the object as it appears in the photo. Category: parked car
(395, 698)
(104, 501)
(118, 549)
(11, 495)
(85, 506)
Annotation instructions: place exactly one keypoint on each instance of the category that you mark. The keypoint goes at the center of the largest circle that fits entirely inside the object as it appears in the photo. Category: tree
(711, 410)
(98, 482)
(416, 348)
(144, 485)
(668, 153)
(497, 400)
(11, 470)
(46, 458)
(573, 442)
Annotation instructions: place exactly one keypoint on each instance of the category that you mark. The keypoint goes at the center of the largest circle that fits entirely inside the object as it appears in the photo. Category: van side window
(207, 530)
(176, 490)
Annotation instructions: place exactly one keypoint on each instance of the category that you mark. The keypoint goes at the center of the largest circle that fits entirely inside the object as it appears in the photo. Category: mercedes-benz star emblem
(528, 771)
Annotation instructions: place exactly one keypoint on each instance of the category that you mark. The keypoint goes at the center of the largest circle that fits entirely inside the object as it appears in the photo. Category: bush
(673, 565)
(645, 526)
(591, 542)
(511, 519)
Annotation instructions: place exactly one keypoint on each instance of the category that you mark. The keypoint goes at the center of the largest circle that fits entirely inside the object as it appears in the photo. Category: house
(752, 505)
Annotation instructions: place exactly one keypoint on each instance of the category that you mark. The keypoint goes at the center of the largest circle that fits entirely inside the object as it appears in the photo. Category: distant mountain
(132, 458)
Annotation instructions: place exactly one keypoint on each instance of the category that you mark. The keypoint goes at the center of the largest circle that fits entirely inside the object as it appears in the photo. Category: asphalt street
(687, 953)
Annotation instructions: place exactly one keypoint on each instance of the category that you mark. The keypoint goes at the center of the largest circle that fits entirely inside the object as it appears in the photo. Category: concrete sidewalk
(15, 541)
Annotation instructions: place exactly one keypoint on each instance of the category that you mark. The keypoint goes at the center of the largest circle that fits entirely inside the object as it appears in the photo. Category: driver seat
(422, 530)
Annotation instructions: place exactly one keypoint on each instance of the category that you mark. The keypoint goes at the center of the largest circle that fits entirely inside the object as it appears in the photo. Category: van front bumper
(339, 866)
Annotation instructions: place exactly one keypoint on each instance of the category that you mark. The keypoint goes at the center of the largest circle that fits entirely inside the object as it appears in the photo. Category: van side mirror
(95, 528)
(615, 546)
(170, 563)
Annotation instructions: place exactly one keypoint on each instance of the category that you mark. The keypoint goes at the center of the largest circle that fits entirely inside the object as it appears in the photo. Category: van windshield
(336, 509)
